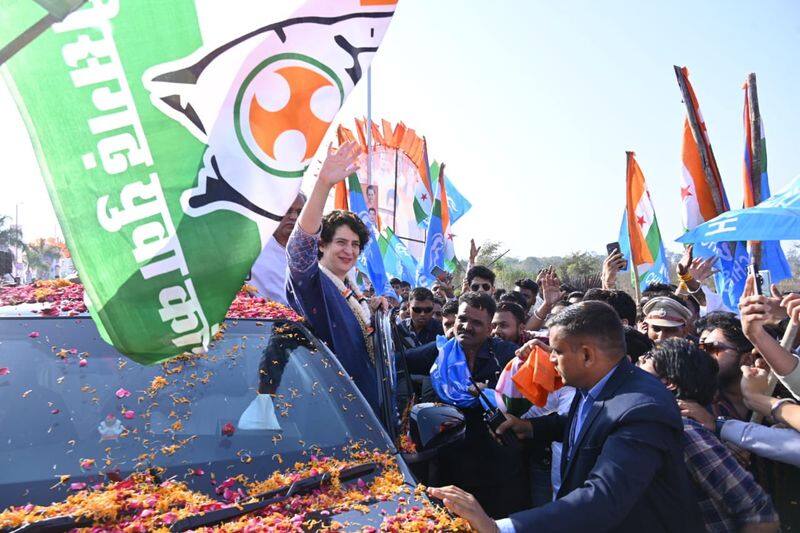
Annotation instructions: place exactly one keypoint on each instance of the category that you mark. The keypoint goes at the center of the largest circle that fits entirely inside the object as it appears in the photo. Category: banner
(171, 144)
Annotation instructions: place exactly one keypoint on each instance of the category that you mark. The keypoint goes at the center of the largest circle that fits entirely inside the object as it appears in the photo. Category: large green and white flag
(172, 140)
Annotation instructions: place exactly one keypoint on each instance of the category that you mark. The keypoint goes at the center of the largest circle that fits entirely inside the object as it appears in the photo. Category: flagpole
(369, 126)
(755, 157)
(394, 209)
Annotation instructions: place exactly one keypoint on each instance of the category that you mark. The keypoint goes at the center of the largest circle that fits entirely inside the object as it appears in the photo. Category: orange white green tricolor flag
(703, 197)
(702, 194)
(646, 248)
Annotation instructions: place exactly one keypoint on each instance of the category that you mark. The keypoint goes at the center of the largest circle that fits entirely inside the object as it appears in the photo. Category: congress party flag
(703, 197)
(172, 142)
(408, 264)
(756, 182)
(370, 261)
(646, 247)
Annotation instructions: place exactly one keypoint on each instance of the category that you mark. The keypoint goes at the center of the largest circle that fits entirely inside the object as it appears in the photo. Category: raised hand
(551, 287)
(791, 302)
(340, 163)
(611, 265)
(697, 412)
(702, 269)
(524, 351)
(473, 251)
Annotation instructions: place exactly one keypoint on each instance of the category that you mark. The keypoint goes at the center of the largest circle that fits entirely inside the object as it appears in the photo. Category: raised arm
(340, 163)
(755, 312)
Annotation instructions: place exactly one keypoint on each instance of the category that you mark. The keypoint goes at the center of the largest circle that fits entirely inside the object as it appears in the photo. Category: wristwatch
(718, 423)
(778, 404)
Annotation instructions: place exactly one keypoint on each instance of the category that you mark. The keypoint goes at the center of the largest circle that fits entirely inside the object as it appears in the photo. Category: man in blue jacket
(622, 465)
(495, 474)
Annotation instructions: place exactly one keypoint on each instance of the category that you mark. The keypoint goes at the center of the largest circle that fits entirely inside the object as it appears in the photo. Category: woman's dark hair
(731, 327)
(692, 370)
(499, 293)
(337, 218)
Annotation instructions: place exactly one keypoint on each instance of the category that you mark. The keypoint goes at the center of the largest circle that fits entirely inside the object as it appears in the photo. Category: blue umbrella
(775, 219)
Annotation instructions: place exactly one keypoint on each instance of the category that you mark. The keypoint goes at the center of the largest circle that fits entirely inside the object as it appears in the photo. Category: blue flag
(455, 200)
(396, 258)
(434, 246)
(370, 261)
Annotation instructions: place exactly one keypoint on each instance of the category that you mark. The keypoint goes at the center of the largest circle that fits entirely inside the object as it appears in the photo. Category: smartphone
(763, 281)
(614, 247)
(439, 273)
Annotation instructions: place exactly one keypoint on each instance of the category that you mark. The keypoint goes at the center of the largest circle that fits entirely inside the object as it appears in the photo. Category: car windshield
(266, 395)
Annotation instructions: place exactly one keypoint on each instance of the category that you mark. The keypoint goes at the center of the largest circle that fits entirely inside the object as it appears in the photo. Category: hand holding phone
(613, 249)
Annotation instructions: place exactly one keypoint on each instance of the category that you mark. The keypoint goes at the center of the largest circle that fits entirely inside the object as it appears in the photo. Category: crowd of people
(669, 418)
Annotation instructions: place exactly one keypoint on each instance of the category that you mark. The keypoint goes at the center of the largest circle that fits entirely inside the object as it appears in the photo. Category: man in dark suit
(622, 465)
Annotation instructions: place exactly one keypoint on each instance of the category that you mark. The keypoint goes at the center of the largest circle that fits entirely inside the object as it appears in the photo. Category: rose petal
(33, 334)
(122, 393)
(4, 371)
(129, 414)
(83, 362)
(77, 486)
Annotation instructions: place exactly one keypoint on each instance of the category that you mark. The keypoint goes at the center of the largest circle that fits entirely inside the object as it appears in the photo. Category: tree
(40, 257)
(10, 236)
(580, 265)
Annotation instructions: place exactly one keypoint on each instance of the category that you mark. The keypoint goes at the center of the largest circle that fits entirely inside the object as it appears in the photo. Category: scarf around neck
(356, 302)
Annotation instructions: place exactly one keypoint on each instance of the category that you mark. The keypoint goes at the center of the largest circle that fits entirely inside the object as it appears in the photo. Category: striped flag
(756, 181)
(703, 197)
(423, 190)
(646, 247)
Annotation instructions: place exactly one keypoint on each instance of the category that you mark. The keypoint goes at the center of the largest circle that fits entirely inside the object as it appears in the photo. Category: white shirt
(268, 273)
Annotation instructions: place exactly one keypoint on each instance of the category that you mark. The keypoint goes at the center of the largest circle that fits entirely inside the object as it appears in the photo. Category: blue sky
(532, 105)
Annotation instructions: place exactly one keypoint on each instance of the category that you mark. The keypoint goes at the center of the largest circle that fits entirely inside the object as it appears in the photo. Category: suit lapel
(565, 447)
(619, 377)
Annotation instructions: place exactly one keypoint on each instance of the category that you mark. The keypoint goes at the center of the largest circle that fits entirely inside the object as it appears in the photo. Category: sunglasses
(422, 310)
(715, 347)
(478, 286)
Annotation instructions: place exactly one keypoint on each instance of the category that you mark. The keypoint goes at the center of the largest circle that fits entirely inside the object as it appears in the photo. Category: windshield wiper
(268, 498)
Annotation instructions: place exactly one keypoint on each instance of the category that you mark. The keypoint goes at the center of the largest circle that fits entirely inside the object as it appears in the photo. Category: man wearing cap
(665, 318)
